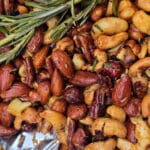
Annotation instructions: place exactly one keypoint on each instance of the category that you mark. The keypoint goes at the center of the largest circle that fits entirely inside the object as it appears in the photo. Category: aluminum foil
(31, 141)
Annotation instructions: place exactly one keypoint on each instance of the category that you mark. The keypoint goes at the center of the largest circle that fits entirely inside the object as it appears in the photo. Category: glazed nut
(145, 105)
(39, 57)
(63, 63)
(126, 9)
(144, 4)
(6, 118)
(97, 13)
(116, 113)
(107, 25)
(141, 20)
(57, 119)
(8, 6)
(109, 144)
(78, 61)
(65, 43)
(36, 41)
(59, 106)
(105, 42)
(49, 66)
(134, 33)
(133, 108)
(109, 127)
(62, 137)
(79, 138)
(7, 131)
(52, 22)
(22, 9)
(77, 111)
(73, 95)
(42, 75)
(121, 92)
(87, 120)
(1, 6)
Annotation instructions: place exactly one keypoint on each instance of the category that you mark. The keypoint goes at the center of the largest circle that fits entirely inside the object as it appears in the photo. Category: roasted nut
(126, 9)
(112, 69)
(16, 90)
(109, 10)
(84, 41)
(77, 111)
(116, 113)
(89, 93)
(121, 92)
(78, 61)
(62, 137)
(52, 22)
(57, 83)
(79, 138)
(65, 43)
(57, 120)
(84, 78)
(144, 4)
(6, 119)
(59, 106)
(145, 105)
(109, 144)
(131, 132)
(101, 57)
(49, 66)
(30, 115)
(107, 25)
(22, 9)
(1, 6)
(105, 42)
(87, 120)
(109, 127)
(8, 6)
(7, 132)
(42, 76)
(39, 57)
(134, 47)
(36, 41)
(98, 12)
(133, 108)
(63, 62)
(134, 33)
(34, 96)
(44, 90)
(29, 71)
(73, 95)
(141, 20)
(16, 107)
(6, 77)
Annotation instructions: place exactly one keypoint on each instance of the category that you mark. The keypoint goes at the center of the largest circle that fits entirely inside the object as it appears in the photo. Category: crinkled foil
(31, 141)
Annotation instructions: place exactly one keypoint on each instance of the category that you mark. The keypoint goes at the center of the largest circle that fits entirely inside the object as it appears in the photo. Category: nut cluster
(92, 86)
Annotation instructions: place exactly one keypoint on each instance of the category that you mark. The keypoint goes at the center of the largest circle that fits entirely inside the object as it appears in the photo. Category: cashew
(109, 11)
(52, 22)
(146, 106)
(87, 121)
(105, 42)
(144, 4)
(16, 107)
(148, 45)
(148, 121)
(139, 66)
(142, 21)
(101, 57)
(123, 144)
(89, 93)
(62, 137)
(108, 26)
(116, 113)
(65, 43)
(78, 61)
(109, 127)
(47, 39)
(142, 133)
(126, 9)
(30, 115)
(109, 144)
(57, 120)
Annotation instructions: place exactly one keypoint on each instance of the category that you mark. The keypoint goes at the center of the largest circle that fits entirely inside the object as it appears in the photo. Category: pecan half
(84, 78)
(8, 6)
(84, 41)
(36, 41)
(1, 6)
(29, 71)
(5, 132)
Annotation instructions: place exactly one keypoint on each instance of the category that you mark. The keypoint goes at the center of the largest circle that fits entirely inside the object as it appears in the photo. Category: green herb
(94, 65)
(114, 7)
(98, 27)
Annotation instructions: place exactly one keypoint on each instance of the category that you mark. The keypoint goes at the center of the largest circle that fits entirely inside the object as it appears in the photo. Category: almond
(44, 91)
(16, 90)
(56, 83)
(6, 77)
(84, 78)
(39, 58)
(63, 62)
(122, 91)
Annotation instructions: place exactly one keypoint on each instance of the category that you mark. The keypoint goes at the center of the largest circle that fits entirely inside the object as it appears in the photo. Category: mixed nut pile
(92, 86)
